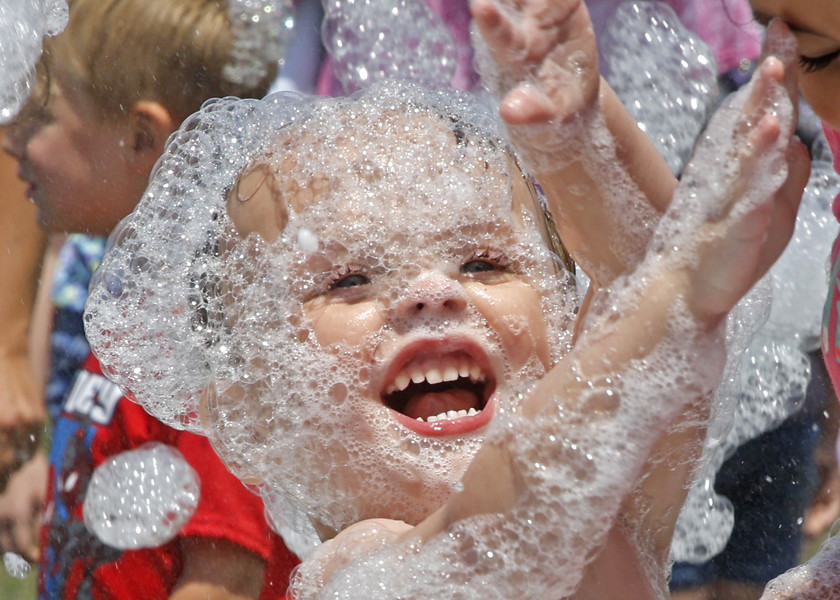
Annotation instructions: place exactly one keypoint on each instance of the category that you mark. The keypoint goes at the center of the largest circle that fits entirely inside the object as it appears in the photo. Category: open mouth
(432, 388)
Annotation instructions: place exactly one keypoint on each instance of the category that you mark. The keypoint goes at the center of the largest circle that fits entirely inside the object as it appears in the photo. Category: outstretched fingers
(752, 185)
(776, 84)
(523, 34)
(545, 55)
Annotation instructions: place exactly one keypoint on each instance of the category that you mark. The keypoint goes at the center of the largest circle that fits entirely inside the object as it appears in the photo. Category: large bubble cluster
(190, 317)
(141, 498)
(23, 25)
(372, 40)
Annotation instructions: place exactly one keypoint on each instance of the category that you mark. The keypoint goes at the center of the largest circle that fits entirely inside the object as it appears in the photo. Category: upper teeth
(436, 373)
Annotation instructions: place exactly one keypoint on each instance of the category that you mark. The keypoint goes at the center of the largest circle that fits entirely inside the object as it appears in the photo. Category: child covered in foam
(360, 302)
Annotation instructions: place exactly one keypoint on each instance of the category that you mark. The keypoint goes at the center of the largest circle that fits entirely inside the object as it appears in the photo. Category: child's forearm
(606, 189)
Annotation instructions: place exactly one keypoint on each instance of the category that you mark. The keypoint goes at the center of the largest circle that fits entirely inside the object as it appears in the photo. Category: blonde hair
(169, 51)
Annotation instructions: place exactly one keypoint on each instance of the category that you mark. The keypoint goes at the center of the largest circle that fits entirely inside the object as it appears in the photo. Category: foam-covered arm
(605, 181)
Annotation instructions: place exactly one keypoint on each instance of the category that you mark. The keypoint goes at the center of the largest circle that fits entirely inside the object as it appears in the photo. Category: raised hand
(546, 58)
(748, 173)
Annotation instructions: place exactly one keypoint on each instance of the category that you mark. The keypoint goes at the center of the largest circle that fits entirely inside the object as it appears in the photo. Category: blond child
(113, 86)
(363, 293)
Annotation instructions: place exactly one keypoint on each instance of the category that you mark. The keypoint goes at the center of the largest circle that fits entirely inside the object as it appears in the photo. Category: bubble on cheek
(141, 498)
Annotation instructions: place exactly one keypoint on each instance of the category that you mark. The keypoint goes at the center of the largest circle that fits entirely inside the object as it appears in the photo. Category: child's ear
(151, 124)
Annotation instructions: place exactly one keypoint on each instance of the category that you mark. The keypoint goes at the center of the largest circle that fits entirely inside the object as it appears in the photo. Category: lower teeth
(449, 414)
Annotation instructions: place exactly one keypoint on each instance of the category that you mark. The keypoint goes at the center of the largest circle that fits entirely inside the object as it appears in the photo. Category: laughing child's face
(398, 293)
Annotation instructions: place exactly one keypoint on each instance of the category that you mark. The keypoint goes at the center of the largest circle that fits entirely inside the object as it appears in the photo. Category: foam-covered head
(363, 296)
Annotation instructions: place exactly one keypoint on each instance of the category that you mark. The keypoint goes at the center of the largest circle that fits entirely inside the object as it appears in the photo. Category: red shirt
(97, 422)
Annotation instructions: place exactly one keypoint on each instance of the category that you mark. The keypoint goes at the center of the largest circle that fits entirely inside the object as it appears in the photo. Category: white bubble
(665, 75)
(141, 498)
(260, 30)
(307, 240)
(16, 566)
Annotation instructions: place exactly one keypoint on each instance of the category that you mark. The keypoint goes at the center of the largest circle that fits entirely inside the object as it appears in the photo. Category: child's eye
(810, 64)
(483, 262)
(477, 266)
(351, 281)
(347, 277)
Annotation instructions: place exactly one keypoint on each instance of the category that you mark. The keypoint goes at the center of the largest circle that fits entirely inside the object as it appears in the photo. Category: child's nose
(432, 293)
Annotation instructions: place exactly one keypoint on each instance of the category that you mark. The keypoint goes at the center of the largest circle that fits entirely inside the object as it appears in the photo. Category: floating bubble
(141, 498)
(372, 40)
(23, 25)
(16, 566)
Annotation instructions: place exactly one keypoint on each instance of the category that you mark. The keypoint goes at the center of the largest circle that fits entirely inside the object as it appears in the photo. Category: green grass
(17, 589)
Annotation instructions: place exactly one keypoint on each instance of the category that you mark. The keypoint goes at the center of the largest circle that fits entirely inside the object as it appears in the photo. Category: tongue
(433, 403)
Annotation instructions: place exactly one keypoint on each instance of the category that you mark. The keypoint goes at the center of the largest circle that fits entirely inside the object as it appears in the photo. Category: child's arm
(216, 569)
(605, 181)
(22, 245)
(21, 506)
